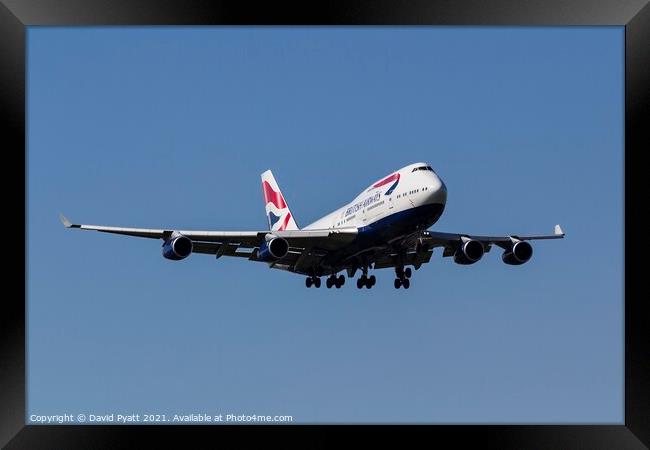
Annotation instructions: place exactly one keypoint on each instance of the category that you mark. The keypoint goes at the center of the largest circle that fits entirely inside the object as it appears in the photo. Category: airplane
(385, 226)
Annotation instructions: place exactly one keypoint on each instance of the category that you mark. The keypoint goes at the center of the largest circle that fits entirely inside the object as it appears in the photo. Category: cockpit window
(422, 168)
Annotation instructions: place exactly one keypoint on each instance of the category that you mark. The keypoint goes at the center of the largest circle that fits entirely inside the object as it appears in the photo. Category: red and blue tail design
(394, 177)
(277, 211)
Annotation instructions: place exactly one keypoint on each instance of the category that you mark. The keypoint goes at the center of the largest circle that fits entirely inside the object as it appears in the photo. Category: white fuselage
(407, 190)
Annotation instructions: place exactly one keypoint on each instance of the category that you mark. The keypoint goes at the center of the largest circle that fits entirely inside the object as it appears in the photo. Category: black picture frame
(16, 15)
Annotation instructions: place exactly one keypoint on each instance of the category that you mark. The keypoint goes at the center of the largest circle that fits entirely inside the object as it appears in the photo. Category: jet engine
(519, 253)
(273, 248)
(177, 247)
(469, 252)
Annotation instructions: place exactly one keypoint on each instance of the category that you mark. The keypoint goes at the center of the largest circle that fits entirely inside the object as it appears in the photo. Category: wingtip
(64, 220)
(558, 230)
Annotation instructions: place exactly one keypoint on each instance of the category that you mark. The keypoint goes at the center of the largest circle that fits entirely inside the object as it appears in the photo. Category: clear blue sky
(171, 127)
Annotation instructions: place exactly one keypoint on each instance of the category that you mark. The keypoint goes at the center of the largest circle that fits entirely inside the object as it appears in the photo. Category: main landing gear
(402, 280)
(309, 281)
(333, 280)
(403, 276)
(367, 281)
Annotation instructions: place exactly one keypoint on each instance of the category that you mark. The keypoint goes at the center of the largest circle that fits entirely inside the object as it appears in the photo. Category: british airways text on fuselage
(364, 204)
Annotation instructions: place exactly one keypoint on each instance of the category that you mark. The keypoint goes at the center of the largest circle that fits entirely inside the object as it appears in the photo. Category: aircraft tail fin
(277, 211)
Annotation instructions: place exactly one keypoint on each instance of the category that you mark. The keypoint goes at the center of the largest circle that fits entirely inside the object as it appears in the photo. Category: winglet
(64, 220)
(558, 230)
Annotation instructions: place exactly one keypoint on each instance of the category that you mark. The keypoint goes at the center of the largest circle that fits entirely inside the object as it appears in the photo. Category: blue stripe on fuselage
(401, 223)
(398, 224)
(392, 188)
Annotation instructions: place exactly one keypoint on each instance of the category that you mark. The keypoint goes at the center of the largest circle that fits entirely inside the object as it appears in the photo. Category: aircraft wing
(308, 248)
(417, 249)
(451, 240)
(229, 243)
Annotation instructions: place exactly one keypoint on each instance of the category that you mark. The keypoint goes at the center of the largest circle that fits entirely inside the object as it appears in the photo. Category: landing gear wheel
(362, 281)
(341, 281)
(399, 271)
(407, 273)
(372, 280)
(338, 285)
(317, 282)
(406, 283)
(329, 283)
(308, 282)
(397, 283)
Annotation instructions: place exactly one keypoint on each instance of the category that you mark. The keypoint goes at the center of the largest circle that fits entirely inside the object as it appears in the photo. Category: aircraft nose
(438, 192)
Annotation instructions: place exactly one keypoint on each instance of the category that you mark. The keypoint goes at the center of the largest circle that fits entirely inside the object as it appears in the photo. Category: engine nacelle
(469, 252)
(273, 248)
(519, 253)
(177, 247)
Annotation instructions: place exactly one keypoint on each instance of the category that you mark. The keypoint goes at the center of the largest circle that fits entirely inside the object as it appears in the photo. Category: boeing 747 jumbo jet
(385, 226)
